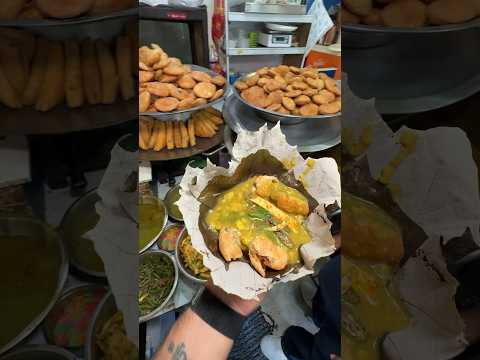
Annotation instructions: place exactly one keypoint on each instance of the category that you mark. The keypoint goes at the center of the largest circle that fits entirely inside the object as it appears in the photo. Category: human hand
(335, 357)
(236, 303)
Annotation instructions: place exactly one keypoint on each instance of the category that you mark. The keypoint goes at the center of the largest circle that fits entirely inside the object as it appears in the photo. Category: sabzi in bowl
(257, 216)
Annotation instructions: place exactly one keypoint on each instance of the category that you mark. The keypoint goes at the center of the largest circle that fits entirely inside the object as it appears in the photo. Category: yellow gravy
(234, 209)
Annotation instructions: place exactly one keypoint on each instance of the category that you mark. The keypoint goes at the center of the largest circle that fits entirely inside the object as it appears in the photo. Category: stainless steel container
(412, 70)
(39, 352)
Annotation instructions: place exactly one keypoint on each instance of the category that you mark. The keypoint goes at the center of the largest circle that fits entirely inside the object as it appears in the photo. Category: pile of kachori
(291, 90)
(167, 85)
(39, 72)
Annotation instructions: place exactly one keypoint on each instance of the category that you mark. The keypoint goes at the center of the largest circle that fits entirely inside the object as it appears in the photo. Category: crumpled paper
(115, 238)
(440, 194)
(320, 178)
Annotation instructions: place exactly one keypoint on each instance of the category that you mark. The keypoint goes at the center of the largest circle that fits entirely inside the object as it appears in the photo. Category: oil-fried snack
(219, 80)
(288, 103)
(331, 85)
(177, 135)
(11, 8)
(263, 71)
(406, 14)
(204, 90)
(213, 111)
(178, 93)
(191, 132)
(302, 100)
(145, 76)
(132, 33)
(109, 6)
(24, 40)
(184, 134)
(295, 69)
(37, 73)
(315, 83)
(282, 110)
(263, 81)
(15, 71)
(174, 70)
(64, 9)
(166, 104)
(123, 53)
(252, 80)
(276, 97)
(158, 89)
(73, 75)
(186, 103)
(108, 72)
(218, 94)
(331, 108)
(91, 73)
(240, 85)
(274, 107)
(199, 102)
(153, 138)
(200, 76)
(8, 96)
(170, 140)
(161, 140)
(187, 82)
(309, 110)
(299, 85)
(293, 93)
(144, 67)
(143, 101)
(310, 92)
(30, 12)
(143, 134)
(323, 97)
(442, 12)
(167, 78)
(374, 17)
(52, 90)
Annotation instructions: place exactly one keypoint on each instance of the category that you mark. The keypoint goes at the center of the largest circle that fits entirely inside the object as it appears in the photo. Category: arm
(192, 338)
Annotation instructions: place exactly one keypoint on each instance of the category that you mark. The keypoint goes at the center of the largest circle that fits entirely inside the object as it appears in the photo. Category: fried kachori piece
(252, 80)
(204, 90)
(187, 82)
(441, 12)
(143, 101)
(359, 7)
(174, 70)
(405, 14)
(309, 110)
(264, 253)
(219, 80)
(331, 108)
(229, 243)
(200, 76)
(145, 76)
(166, 104)
(323, 97)
(331, 85)
(240, 85)
(158, 89)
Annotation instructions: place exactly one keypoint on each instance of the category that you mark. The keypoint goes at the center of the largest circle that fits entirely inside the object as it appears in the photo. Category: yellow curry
(370, 309)
(263, 215)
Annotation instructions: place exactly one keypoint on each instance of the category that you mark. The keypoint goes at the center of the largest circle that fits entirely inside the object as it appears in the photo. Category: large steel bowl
(143, 198)
(34, 228)
(412, 70)
(182, 115)
(274, 117)
(157, 312)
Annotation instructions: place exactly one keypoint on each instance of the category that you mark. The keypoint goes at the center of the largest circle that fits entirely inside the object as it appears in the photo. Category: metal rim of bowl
(62, 278)
(169, 192)
(277, 114)
(166, 229)
(28, 23)
(165, 221)
(71, 291)
(183, 270)
(474, 23)
(154, 313)
(182, 115)
(91, 327)
(73, 261)
(40, 349)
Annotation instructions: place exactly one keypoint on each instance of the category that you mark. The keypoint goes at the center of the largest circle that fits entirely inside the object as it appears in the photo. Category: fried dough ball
(309, 110)
(201, 76)
(166, 104)
(229, 243)
(405, 13)
(204, 90)
(265, 253)
(158, 89)
(240, 85)
(187, 82)
(219, 80)
(442, 12)
(323, 97)
(331, 108)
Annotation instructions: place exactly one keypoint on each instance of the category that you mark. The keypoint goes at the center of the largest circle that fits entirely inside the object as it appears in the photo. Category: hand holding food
(291, 90)
(173, 86)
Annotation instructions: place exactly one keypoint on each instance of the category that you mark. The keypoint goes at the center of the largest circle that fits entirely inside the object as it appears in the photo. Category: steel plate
(310, 135)
(35, 228)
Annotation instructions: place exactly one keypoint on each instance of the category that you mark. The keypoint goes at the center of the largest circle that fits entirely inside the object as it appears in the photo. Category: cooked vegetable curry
(151, 217)
(370, 309)
(263, 207)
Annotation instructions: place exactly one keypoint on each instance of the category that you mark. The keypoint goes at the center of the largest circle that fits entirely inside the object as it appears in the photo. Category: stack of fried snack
(45, 73)
(409, 13)
(158, 135)
(291, 90)
(167, 85)
(60, 9)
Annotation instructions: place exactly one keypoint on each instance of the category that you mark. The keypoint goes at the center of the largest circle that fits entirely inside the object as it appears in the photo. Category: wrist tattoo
(178, 352)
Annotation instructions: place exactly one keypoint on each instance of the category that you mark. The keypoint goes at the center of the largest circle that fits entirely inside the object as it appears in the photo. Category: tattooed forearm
(178, 352)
